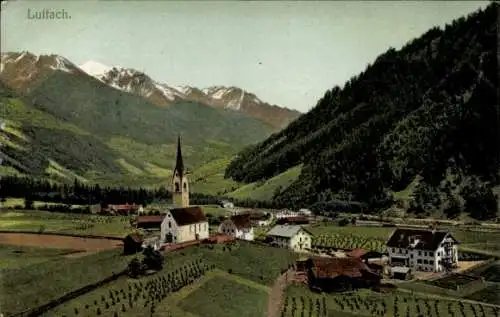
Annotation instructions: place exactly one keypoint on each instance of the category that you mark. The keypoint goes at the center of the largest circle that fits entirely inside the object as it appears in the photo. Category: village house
(305, 212)
(238, 226)
(296, 238)
(124, 209)
(328, 274)
(284, 213)
(184, 224)
(422, 250)
(226, 204)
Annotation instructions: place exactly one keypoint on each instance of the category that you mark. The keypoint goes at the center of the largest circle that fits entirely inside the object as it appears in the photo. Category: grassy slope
(19, 256)
(222, 297)
(265, 190)
(34, 285)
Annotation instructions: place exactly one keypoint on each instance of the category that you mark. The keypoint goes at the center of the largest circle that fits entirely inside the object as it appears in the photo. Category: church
(183, 222)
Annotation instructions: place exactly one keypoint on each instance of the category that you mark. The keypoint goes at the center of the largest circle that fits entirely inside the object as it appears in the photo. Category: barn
(338, 274)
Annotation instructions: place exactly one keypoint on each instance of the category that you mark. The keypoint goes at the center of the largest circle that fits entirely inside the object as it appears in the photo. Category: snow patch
(94, 68)
(165, 91)
(220, 93)
(61, 64)
(183, 89)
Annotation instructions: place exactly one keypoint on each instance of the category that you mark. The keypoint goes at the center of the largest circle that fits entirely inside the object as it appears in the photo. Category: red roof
(356, 253)
(333, 267)
(150, 219)
(242, 221)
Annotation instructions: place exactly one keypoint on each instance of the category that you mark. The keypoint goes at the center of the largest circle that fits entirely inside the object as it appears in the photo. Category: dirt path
(276, 293)
(86, 245)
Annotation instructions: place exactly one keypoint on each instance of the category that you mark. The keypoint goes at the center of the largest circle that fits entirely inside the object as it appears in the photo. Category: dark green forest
(428, 111)
(33, 189)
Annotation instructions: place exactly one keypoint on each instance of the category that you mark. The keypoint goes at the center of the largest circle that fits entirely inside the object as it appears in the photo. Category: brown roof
(242, 221)
(429, 240)
(150, 219)
(356, 253)
(333, 267)
(188, 215)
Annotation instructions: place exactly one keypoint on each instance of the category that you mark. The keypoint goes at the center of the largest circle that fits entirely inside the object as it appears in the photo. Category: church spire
(179, 163)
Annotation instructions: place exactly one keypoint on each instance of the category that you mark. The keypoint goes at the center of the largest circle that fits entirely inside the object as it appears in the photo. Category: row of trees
(79, 193)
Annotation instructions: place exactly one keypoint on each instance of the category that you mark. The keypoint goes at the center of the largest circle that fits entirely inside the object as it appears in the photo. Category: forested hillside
(425, 116)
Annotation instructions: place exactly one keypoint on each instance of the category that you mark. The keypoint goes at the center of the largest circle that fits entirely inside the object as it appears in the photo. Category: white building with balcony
(422, 250)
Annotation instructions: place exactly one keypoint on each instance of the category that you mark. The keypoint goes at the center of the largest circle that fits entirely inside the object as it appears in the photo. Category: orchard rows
(342, 241)
(381, 305)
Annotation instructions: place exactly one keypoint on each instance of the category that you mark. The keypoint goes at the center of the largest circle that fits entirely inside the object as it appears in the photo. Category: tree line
(78, 193)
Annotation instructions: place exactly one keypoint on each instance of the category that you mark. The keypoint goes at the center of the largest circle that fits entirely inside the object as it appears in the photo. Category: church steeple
(179, 163)
(180, 186)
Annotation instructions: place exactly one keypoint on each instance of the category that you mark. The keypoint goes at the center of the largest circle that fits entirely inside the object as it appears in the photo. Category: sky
(287, 53)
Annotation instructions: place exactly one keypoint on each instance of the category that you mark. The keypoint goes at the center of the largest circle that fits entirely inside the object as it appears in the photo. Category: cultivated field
(299, 301)
(55, 222)
(36, 284)
(374, 238)
(238, 286)
(15, 256)
(83, 246)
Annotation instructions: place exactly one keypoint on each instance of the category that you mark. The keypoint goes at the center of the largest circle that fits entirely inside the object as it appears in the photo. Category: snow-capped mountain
(233, 98)
(20, 69)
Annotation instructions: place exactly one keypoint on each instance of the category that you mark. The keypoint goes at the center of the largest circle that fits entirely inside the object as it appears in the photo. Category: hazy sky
(288, 53)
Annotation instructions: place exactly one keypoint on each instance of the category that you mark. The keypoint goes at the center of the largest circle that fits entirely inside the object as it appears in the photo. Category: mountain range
(418, 130)
(117, 125)
(161, 94)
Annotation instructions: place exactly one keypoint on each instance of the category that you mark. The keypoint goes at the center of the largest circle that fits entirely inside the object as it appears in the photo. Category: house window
(431, 262)
(419, 252)
(439, 253)
(185, 186)
(170, 224)
(393, 250)
(177, 189)
(425, 261)
(431, 253)
(419, 261)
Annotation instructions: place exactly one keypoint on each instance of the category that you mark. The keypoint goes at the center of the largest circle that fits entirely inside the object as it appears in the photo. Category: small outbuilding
(132, 243)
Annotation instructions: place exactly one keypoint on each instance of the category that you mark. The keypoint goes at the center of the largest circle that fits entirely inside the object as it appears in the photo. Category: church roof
(188, 215)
